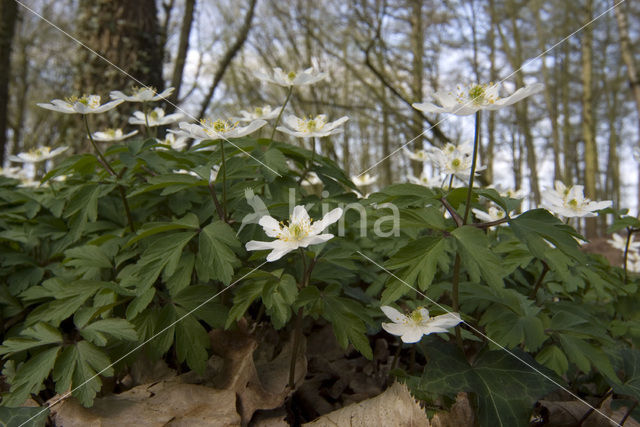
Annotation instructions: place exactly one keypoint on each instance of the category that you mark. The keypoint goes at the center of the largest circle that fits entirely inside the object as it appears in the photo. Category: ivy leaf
(216, 259)
(504, 388)
(477, 258)
(29, 417)
(30, 376)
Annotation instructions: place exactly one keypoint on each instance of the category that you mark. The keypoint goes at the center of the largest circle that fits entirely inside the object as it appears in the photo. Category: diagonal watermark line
(501, 81)
(492, 341)
(208, 300)
(136, 80)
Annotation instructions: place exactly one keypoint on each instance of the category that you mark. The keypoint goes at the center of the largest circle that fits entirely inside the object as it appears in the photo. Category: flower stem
(275, 125)
(145, 110)
(626, 252)
(101, 158)
(105, 164)
(297, 334)
(455, 303)
(476, 144)
(216, 202)
(224, 181)
(310, 165)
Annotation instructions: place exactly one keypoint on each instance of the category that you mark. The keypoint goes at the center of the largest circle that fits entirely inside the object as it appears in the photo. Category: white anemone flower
(292, 78)
(143, 94)
(219, 129)
(112, 135)
(170, 141)
(299, 233)
(425, 180)
(619, 242)
(311, 180)
(39, 154)
(259, 113)
(88, 104)
(364, 179)
(155, 118)
(317, 126)
(420, 155)
(470, 99)
(411, 328)
(454, 160)
(14, 172)
(493, 214)
(570, 202)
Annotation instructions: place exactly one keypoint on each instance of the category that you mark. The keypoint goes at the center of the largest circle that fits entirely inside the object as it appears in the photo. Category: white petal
(255, 245)
(412, 334)
(315, 240)
(393, 314)
(270, 225)
(443, 321)
(395, 328)
(299, 214)
(327, 220)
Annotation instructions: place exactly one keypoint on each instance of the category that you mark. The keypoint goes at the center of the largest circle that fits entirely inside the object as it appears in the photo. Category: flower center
(291, 75)
(573, 203)
(295, 231)
(455, 163)
(416, 315)
(476, 93)
(258, 111)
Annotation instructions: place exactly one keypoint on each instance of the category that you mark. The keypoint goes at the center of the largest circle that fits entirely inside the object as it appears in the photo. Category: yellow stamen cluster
(219, 126)
(291, 75)
(416, 315)
(476, 94)
(313, 124)
(295, 231)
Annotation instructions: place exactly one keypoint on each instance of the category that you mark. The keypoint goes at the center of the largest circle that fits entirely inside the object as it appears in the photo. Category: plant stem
(224, 181)
(101, 158)
(105, 164)
(626, 252)
(275, 125)
(310, 165)
(622, 421)
(455, 303)
(216, 202)
(476, 144)
(545, 270)
(297, 334)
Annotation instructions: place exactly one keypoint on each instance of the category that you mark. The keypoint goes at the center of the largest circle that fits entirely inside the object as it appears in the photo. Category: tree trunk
(417, 69)
(181, 56)
(632, 71)
(590, 149)
(8, 18)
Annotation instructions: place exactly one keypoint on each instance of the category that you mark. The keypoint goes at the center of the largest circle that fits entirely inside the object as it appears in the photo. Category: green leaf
(477, 258)
(30, 377)
(535, 226)
(37, 335)
(194, 298)
(25, 416)
(504, 387)
(347, 318)
(216, 259)
(628, 364)
(244, 297)
(79, 367)
(420, 260)
(117, 328)
(278, 297)
(553, 358)
(139, 303)
(586, 355)
(192, 342)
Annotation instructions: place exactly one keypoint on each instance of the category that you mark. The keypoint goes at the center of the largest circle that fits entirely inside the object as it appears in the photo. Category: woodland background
(381, 55)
